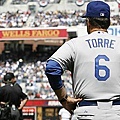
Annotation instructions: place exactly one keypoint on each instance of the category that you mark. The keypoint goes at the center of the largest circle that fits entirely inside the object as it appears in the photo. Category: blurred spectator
(64, 114)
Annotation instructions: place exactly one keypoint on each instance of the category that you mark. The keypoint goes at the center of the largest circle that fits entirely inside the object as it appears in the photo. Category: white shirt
(65, 115)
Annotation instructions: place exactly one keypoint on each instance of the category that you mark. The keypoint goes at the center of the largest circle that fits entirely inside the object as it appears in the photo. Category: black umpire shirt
(12, 94)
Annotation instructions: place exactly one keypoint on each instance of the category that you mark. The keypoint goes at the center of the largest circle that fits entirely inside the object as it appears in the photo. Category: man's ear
(87, 22)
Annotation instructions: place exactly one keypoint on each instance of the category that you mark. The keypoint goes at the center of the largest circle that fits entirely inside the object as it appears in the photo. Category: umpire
(12, 95)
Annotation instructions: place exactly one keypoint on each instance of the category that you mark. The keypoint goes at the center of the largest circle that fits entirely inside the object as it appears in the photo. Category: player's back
(97, 66)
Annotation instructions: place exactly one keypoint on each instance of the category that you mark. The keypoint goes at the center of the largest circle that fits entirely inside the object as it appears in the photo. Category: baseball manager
(94, 61)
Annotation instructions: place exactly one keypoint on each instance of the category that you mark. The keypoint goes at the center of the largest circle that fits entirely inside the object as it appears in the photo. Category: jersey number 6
(99, 67)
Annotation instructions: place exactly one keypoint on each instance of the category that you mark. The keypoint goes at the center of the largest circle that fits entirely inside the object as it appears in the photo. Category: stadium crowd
(14, 19)
(31, 76)
(46, 19)
(63, 18)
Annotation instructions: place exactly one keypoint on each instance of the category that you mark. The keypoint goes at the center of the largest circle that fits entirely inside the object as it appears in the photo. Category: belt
(94, 103)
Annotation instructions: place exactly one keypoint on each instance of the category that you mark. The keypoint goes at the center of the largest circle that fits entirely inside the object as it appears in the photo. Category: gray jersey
(94, 61)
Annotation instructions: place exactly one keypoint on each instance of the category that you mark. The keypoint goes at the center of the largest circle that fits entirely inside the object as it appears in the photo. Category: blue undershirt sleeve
(53, 72)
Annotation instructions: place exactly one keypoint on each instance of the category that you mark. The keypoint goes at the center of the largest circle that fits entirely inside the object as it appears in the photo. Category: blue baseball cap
(97, 9)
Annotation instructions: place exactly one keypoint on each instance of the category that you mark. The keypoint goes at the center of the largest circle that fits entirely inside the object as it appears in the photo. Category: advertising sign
(21, 34)
(114, 30)
(29, 113)
(43, 103)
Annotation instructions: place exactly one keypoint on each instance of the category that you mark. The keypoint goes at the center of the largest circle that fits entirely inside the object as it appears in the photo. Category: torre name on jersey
(101, 43)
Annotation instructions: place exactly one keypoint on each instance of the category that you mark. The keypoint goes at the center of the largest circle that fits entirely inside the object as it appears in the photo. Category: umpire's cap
(8, 76)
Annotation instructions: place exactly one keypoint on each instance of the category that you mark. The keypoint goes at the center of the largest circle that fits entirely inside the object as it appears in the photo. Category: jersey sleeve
(65, 55)
(22, 95)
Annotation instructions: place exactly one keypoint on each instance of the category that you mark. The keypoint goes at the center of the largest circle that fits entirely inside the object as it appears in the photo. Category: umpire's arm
(23, 102)
(54, 72)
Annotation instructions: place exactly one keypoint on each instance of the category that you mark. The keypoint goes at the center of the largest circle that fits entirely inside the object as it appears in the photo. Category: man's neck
(97, 29)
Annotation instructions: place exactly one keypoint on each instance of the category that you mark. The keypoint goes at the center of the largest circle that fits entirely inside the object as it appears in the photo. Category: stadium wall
(82, 30)
(48, 36)
(38, 109)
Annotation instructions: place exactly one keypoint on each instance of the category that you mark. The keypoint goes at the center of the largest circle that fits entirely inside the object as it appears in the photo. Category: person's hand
(71, 103)
(19, 108)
